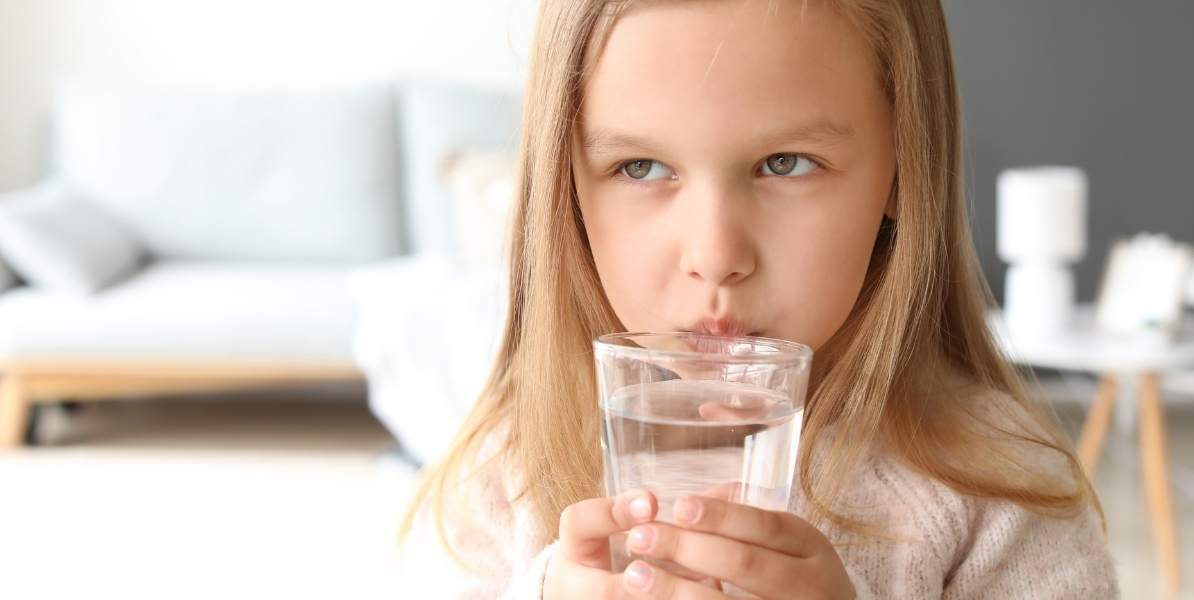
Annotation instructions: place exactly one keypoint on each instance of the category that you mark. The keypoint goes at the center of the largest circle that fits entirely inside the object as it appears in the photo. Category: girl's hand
(580, 566)
(768, 553)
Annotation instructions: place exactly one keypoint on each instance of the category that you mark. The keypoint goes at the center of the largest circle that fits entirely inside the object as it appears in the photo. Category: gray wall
(1106, 85)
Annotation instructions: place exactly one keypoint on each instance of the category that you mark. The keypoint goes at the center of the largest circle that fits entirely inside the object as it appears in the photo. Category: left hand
(772, 554)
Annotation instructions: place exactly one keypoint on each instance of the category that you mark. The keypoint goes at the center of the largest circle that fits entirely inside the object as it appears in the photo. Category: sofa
(197, 240)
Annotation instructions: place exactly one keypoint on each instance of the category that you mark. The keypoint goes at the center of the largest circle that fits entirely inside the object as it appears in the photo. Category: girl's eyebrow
(823, 131)
(604, 141)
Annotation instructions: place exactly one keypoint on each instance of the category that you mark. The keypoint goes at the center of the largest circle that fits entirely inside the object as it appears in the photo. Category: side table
(1119, 363)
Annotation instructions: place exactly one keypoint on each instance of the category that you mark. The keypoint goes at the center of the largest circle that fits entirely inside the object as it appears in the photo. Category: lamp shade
(1041, 214)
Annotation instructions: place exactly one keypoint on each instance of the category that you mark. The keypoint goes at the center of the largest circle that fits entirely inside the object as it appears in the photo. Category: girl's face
(733, 161)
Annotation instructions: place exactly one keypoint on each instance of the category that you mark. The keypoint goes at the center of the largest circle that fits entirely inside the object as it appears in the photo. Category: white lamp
(1041, 230)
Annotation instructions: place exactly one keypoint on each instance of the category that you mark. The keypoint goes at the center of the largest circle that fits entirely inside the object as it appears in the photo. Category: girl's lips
(721, 326)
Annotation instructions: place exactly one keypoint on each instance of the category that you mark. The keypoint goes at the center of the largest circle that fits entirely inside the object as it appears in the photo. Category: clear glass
(687, 413)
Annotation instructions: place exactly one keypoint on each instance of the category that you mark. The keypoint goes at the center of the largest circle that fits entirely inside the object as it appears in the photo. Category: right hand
(580, 567)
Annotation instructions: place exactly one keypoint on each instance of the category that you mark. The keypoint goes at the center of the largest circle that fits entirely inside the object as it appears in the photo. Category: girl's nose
(716, 243)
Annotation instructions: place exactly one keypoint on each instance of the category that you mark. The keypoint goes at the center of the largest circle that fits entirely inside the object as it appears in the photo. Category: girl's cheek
(638, 287)
(819, 283)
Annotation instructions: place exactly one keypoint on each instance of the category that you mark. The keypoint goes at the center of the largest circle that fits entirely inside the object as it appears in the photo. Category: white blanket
(427, 330)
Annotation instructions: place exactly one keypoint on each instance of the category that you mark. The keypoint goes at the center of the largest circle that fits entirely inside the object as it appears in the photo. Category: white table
(1134, 366)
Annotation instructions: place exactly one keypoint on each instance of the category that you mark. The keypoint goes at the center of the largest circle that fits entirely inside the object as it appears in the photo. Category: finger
(585, 527)
(756, 569)
(716, 411)
(573, 580)
(642, 580)
(726, 491)
(777, 530)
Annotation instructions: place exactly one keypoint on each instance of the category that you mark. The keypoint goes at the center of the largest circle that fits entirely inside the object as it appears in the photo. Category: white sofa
(187, 240)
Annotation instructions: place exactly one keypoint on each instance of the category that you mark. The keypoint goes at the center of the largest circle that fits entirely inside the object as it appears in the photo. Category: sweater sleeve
(1014, 553)
(862, 587)
(500, 549)
(1011, 551)
(528, 585)
(944, 544)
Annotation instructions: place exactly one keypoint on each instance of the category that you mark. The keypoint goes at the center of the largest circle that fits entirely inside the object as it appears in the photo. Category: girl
(772, 167)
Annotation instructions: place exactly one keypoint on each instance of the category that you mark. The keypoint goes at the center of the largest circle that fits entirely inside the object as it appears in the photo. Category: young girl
(785, 168)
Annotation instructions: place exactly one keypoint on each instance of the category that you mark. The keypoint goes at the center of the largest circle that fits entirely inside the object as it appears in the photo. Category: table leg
(1156, 478)
(1094, 430)
(14, 411)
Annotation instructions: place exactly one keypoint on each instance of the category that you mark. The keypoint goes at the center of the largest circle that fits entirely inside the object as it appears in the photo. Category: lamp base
(1038, 299)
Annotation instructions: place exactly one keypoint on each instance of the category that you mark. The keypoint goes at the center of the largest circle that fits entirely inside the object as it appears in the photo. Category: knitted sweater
(948, 545)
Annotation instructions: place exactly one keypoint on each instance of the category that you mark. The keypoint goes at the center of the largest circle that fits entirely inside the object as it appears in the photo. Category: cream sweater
(956, 546)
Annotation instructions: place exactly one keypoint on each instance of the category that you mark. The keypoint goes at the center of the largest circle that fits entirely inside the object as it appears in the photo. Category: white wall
(241, 43)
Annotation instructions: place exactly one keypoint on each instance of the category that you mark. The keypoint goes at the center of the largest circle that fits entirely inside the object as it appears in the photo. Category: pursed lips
(724, 326)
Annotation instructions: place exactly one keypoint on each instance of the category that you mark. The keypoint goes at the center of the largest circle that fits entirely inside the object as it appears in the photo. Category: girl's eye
(646, 170)
(788, 165)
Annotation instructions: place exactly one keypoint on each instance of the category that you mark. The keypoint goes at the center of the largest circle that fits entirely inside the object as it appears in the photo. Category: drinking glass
(688, 413)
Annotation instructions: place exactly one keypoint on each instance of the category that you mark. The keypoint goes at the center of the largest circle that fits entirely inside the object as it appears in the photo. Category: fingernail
(641, 538)
(687, 510)
(639, 575)
(641, 507)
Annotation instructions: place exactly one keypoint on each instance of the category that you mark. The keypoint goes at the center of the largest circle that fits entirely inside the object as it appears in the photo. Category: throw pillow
(57, 241)
(7, 278)
(481, 184)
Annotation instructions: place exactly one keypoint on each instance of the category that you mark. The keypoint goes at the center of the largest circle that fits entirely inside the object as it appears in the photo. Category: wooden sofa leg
(14, 411)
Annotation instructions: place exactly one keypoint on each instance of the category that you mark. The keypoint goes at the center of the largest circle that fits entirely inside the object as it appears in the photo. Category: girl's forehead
(745, 68)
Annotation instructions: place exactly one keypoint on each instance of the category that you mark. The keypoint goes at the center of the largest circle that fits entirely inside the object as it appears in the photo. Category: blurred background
(250, 272)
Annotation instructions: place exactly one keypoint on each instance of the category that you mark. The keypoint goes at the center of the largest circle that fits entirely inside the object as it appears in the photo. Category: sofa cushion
(59, 242)
(189, 309)
(301, 174)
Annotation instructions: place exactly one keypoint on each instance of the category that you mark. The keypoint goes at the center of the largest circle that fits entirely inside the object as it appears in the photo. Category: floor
(246, 497)
(273, 495)
(1121, 490)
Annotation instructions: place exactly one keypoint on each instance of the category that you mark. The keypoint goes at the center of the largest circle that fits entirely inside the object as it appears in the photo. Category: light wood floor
(252, 497)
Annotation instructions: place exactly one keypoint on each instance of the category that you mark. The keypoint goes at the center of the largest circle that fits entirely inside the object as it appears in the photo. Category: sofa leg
(14, 411)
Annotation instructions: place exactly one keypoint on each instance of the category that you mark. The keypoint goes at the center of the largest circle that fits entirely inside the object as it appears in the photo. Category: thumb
(585, 527)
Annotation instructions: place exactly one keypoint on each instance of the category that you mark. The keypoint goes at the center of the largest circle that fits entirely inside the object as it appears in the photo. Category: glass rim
(782, 351)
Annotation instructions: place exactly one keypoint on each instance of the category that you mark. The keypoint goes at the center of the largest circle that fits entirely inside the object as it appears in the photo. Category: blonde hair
(921, 309)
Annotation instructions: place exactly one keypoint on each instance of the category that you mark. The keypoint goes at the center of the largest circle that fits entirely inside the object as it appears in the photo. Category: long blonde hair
(920, 314)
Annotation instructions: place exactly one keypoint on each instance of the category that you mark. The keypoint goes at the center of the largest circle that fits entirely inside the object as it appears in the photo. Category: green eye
(643, 169)
(637, 169)
(788, 165)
